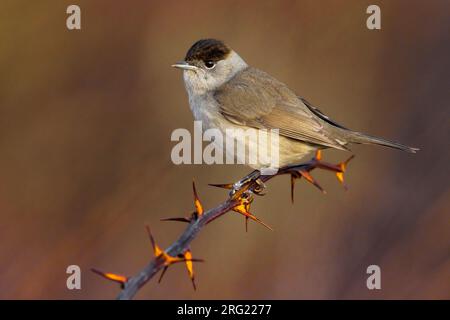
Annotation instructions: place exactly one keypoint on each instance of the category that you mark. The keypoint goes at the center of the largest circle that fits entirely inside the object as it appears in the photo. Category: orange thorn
(309, 178)
(223, 186)
(188, 260)
(168, 259)
(343, 167)
(159, 253)
(197, 203)
(340, 177)
(190, 267)
(243, 209)
(318, 155)
(111, 276)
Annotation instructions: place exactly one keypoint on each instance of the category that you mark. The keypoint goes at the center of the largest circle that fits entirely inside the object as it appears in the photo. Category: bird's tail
(358, 137)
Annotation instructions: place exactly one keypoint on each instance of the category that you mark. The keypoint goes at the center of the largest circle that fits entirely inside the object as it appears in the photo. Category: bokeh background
(85, 124)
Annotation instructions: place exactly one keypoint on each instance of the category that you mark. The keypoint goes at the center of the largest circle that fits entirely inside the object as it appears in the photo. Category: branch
(239, 202)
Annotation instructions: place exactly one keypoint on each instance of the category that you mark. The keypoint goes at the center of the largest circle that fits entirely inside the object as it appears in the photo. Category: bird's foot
(251, 183)
(242, 193)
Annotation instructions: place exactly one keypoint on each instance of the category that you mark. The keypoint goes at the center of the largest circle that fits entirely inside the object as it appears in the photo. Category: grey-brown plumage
(254, 98)
(224, 92)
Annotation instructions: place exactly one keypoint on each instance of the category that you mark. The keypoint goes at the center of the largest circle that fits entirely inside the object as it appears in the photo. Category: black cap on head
(207, 50)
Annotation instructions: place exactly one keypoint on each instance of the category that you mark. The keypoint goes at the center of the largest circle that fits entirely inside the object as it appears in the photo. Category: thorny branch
(239, 202)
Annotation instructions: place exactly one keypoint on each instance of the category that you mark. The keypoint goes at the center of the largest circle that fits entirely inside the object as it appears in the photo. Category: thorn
(162, 273)
(223, 186)
(190, 267)
(340, 177)
(198, 206)
(168, 259)
(243, 208)
(156, 249)
(159, 253)
(181, 219)
(343, 167)
(111, 276)
(294, 176)
(188, 260)
(318, 155)
(309, 178)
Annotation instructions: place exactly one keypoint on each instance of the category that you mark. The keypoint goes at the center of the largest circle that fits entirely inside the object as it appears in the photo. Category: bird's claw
(255, 186)
(260, 188)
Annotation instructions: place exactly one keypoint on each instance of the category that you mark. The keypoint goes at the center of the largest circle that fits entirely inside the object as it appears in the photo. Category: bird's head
(208, 64)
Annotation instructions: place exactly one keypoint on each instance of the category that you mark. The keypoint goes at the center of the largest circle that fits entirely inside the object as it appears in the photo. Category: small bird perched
(225, 92)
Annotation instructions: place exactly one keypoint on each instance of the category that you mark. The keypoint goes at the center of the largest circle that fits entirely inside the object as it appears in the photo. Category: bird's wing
(320, 114)
(254, 98)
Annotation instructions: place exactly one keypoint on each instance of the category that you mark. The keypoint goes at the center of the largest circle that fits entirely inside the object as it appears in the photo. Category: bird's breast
(206, 110)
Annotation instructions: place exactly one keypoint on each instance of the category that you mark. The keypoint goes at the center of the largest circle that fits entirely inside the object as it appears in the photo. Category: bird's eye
(209, 64)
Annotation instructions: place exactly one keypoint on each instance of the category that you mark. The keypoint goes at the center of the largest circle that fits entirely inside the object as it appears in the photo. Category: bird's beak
(184, 66)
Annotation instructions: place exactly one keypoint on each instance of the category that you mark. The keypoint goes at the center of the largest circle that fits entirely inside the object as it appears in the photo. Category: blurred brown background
(85, 124)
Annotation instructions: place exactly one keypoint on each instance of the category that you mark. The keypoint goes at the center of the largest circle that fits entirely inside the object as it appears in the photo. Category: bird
(226, 93)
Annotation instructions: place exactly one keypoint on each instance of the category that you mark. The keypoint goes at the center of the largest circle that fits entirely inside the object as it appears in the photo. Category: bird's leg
(241, 185)
(253, 176)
